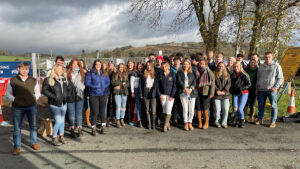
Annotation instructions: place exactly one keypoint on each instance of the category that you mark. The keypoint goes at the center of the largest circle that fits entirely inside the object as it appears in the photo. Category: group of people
(161, 90)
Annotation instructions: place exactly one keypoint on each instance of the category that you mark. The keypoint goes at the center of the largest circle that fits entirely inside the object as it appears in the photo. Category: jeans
(222, 105)
(138, 104)
(18, 115)
(262, 97)
(188, 108)
(98, 105)
(121, 101)
(239, 102)
(59, 117)
(73, 109)
(152, 103)
(167, 105)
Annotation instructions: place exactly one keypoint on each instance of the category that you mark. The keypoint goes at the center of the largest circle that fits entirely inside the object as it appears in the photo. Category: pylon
(291, 108)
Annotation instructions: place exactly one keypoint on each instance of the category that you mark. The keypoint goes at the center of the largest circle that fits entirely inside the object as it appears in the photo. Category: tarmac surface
(254, 147)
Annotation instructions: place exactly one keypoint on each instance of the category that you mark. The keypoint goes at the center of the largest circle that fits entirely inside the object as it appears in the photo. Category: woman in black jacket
(222, 94)
(148, 93)
(166, 91)
(55, 87)
(186, 88)
(240, 83)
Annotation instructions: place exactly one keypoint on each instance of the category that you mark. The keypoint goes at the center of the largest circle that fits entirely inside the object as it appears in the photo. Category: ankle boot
(206, 120)
(56, 142)
(186, 126)
(241, 123)
(103, 129)
(80, 133)
(94, 132)
(87, 116)
(199, 115)
(118, 124)
(73, 135)
(153, 126)
(148, 121)
(139, 124)
(62, 139)
(191, 126)
(122, 122)
(167, 123)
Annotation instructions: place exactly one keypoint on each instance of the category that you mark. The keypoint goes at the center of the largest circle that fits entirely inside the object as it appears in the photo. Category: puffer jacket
(98, 84)
(239, 84)
(57, 95)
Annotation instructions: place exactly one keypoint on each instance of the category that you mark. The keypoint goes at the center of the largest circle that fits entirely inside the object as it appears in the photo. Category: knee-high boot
(206, 119)
(87, 116)
(148, 120)
(199, 115)
(167, 123)
(153, 125)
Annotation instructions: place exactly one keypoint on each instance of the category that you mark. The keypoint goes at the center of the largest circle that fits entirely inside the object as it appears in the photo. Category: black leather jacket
(56, 96)
(239, 84)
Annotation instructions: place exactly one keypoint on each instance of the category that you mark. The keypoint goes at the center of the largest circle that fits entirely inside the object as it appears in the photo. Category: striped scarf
(204, 79)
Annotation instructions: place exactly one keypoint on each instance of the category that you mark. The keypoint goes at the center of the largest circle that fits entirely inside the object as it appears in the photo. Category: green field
(14, 58)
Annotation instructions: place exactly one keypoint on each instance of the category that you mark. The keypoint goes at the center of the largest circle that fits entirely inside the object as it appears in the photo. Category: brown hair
(122, 75)
(23, 64)
(131, 60)
(81, 70)
(152, 71)
(104, 71)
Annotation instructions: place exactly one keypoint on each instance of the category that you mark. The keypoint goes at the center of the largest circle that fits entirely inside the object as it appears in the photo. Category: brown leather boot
(56, 142)
(87, 116)
(16, 151)
(206, 119)
(118, 124)
(252, 113)
(191, 126)
(199, 115)
(186, 126)
(122, 122)
(167, 123)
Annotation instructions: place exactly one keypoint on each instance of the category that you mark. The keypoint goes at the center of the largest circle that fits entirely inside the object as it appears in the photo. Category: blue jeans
(239, 102)
(222, 105)
(73, 109)
(262, 98)
(138, 104)
(18, 115)
(59, 117)
(120, 101)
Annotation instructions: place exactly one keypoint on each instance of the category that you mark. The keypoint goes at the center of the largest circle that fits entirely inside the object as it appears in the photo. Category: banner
(10, 69)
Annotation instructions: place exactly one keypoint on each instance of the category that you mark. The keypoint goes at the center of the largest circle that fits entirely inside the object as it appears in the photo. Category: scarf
(205, 79)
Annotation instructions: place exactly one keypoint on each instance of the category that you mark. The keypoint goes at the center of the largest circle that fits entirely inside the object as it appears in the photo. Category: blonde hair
(242, 70)
(53, 74)
(122, 75)
(104, 71)
(190, 68)
(233, 59)
(166, 63)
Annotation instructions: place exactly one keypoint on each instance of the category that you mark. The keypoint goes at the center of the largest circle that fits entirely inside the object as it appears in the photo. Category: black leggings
(97, 104)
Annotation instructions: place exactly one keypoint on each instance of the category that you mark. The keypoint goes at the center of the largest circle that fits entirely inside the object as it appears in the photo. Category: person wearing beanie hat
(159, 60)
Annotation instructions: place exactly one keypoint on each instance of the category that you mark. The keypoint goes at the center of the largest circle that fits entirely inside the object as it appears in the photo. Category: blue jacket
(166, 84)
(98, 84)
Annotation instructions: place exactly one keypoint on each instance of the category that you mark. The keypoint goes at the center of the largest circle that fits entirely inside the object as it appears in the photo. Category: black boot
(153, 126)
(235, 122)
(73, 135)
(241, 123)
(80, 133)
(148, 121)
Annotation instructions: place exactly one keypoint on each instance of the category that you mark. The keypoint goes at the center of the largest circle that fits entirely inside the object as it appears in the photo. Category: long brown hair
(94, 67)
(81, 70)
(131, 60)
(152, 71)
(104, 71)
(122, 75)
(225, 73)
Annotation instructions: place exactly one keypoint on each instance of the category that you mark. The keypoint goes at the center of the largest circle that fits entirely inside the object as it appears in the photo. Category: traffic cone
(2, 122)
(291, 109)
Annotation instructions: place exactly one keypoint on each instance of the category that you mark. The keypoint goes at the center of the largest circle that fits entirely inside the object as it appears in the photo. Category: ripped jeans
(120, 101)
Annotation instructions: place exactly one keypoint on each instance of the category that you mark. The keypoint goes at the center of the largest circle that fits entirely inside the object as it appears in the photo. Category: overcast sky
(69, 26)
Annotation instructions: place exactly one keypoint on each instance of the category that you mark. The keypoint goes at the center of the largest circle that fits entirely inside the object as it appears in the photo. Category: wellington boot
(148, 121)
(199, 115)
(206, 119)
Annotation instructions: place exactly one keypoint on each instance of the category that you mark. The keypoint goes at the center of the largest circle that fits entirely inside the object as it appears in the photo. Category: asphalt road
(131, 147)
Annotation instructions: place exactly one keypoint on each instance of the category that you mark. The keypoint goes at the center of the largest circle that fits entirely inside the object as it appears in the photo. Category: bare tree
(208, 14)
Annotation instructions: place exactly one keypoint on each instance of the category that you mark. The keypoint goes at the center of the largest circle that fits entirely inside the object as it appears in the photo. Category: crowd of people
(161, 91)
